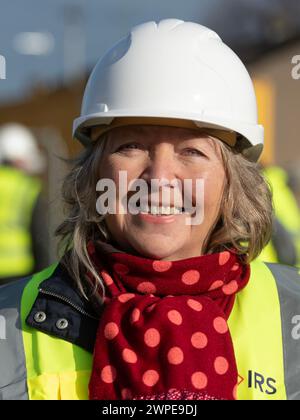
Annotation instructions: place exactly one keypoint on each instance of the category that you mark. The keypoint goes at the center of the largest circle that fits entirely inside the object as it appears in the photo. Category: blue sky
(104, 22)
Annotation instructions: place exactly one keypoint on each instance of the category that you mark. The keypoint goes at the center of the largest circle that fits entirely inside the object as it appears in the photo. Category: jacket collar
(61, 311)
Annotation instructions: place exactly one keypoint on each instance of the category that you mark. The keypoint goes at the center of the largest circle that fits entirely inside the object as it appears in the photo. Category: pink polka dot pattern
(111, 330)
(108, 374)
(199, 340)
(121, 268)
(152, 337)
(220, 325)
(216, 285)
(234, 393)
(175, 356)
(146, 287)
(150, 308)
(135, 315)
(199, 380)
(235, 267)
(125, 297)
(126, 394)
(190, 277)
(161, 266)
(224, 257)
(107, 278)
(221, 365)
(175, 317)
(150, 377)
(164, 327)
(194, 304)
(230, 288)
(129, 356)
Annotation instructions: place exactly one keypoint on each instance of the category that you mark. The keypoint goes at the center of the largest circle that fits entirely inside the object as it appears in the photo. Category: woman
(158, 296)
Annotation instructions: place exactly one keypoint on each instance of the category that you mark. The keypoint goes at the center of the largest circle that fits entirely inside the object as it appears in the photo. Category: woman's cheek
(213, 188)
(115, 224)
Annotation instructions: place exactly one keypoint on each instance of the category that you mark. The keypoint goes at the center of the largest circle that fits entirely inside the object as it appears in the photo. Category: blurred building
(278, 96)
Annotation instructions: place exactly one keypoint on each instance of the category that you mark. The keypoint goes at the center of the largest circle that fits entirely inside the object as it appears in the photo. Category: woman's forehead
(147, 129)
(156, 134)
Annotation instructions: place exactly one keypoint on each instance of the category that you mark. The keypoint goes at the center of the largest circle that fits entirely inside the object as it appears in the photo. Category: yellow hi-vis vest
(264, 325)
(286, 211)
(18, 194)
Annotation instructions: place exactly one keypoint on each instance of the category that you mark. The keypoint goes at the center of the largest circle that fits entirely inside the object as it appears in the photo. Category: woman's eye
(193, 152)
(129, 146)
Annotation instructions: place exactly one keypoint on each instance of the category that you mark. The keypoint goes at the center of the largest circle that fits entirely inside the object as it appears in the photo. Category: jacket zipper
(68, 301)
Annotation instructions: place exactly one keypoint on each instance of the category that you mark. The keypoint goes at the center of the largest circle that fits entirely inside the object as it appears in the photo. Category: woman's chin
(156, 249)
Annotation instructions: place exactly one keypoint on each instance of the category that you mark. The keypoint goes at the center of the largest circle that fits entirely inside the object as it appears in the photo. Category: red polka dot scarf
(163, 331)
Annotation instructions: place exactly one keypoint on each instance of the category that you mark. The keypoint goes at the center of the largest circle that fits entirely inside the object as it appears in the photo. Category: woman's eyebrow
(200, 141)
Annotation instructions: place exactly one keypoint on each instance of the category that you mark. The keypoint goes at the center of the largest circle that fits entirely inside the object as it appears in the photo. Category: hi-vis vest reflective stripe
(264, 325)
(17, 198)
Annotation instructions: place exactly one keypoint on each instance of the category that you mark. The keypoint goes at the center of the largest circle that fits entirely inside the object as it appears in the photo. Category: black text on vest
(264, 385)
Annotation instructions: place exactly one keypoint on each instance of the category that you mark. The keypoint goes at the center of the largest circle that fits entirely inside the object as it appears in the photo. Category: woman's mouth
(161, 210)
(159, 214)
(157, 218)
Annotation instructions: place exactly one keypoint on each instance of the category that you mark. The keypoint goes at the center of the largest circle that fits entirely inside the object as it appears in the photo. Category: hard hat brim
(252, 134)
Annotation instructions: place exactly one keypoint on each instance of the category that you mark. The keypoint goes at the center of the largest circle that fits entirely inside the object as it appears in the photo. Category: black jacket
(59, 299)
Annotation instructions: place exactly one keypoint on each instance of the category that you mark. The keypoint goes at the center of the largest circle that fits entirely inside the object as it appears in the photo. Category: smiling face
(164, 153)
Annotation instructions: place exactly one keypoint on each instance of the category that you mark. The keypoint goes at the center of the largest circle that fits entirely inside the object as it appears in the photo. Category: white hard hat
(173, 70)
(17, 143)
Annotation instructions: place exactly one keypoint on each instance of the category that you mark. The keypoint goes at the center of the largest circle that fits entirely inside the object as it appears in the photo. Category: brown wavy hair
(244, 223)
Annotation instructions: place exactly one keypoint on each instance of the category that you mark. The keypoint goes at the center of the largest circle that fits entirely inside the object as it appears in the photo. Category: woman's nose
(161, 164)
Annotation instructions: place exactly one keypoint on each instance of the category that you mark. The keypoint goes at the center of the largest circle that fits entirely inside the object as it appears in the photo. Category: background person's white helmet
(173, 70)
(17, 144)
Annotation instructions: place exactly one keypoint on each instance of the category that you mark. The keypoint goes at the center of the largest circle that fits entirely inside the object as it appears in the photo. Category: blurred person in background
(23, 237)
(148, 305)
(284, 246)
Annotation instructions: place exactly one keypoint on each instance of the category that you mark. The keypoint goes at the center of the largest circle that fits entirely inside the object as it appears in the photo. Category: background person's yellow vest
(18, 195)
(263, 325)
(286, 210)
